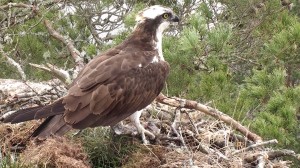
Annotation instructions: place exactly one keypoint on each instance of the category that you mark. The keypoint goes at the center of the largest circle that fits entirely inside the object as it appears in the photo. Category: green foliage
(9, 162)
(30, 41)
(272, 105)
(262, 84)
(104, 148)
(129, 20)
(91, 50)
(283, 49)
(198, 22)
(180, 61)
(207, 13)
(247, 76)
(219, 37)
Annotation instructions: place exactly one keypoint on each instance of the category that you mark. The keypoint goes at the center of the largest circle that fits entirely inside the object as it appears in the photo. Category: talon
(135, 119)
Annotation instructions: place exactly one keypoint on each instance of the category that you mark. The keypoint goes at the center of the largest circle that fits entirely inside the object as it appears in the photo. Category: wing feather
(113, 102)
(113, 88)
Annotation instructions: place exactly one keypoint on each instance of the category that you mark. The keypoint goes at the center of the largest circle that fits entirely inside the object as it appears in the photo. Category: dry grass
(14, 137)
(55, 152)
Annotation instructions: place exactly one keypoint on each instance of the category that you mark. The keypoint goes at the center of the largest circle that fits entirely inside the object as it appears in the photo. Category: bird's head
(158, 17)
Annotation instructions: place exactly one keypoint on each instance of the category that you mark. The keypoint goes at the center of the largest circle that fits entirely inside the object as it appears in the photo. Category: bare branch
(261, 161)
(190, 104)
(57, 72)
(69, 43)
(18, 5)
(280, 153)
(15, 64)
(273, 141)
(270, 155)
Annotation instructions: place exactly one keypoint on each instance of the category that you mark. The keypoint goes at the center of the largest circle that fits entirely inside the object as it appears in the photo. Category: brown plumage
(112, 86)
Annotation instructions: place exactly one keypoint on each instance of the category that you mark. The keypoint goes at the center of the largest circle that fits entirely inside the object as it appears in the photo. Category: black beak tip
(175, 19)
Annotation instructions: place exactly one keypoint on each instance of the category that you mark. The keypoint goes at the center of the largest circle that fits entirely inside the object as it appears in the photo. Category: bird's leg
(135, 119)
(77, 133)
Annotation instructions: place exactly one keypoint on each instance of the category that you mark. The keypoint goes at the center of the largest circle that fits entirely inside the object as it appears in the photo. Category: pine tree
(241, 56)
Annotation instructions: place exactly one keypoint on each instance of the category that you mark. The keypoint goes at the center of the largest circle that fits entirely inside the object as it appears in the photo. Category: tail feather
(22, 115)
(55, 108)
(54, 125)
(65, 128)
(38, 112)
(37, 131)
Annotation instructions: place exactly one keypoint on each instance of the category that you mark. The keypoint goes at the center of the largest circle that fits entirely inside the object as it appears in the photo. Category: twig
(174, 127)
(190, 104)
(192, 122)
(221, 155)
(273, 141)
(168, 138)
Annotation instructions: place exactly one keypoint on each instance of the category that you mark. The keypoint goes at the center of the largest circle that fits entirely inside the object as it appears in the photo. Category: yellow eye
(166, 16)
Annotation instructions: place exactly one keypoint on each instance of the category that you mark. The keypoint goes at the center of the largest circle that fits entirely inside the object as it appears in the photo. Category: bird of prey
(114, 85)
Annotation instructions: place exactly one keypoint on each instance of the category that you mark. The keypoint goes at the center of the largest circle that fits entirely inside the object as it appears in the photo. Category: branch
(15, 64)
(18, 5)
(69, 43)
(261, 161)
(271, 155)
(273, 141)
(59, 73)
(280, 153)
(190, 104)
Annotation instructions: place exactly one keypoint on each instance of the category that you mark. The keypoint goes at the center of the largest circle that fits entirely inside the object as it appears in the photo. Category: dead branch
(270, 155)
(175, 125)
(69, 43)
(254, 157)
(190, 104)
(15, 64)
(101, 20)
(273, 141)
(192, 122)
(15, 93)
(57, 72)
(280, 153)
(18, 5)
(13, 16)
(261, 161)
(260, 158)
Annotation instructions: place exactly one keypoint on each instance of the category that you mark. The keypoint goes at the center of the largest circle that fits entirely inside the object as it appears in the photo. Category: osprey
(113, 86)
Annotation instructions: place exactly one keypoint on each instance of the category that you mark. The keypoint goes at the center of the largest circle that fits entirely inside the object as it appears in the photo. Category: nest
(55, 152)
(185, 137)
(14, 137)
(188, 138)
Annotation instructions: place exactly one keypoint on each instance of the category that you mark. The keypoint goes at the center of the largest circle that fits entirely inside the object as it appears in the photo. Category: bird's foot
(135, 119)
(143, 132)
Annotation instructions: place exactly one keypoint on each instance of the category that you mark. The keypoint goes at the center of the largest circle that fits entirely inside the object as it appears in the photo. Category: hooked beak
(175, 19)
